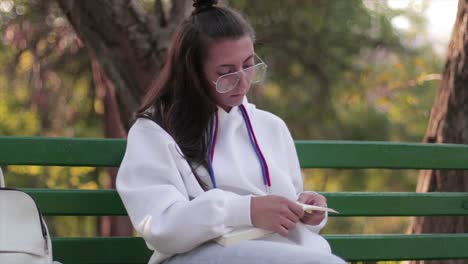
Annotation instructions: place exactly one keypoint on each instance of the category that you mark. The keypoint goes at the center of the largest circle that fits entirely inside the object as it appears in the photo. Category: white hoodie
(170, 210)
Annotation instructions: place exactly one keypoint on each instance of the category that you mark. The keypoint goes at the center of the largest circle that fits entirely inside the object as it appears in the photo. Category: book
(248, 232)
(241, 233)
(310, 208)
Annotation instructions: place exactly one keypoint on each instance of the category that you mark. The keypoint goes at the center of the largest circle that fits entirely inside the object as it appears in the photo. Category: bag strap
(2, 180)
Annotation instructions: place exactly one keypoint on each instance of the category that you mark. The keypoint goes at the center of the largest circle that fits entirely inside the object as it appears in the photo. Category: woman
(201, 160)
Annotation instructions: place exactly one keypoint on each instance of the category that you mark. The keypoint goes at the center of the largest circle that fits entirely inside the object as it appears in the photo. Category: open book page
(248, 232)
(241, 233)
(310, 208)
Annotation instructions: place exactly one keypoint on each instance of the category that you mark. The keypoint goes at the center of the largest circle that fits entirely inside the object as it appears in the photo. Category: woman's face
(228, 56)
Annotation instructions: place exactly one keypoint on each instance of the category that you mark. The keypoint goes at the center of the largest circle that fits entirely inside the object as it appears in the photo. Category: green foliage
(46, 89)
(337, 70)
(340, 70)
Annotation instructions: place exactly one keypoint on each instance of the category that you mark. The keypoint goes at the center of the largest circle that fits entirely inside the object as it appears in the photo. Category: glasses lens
(254, 74)
(259, 72)
(227, 82)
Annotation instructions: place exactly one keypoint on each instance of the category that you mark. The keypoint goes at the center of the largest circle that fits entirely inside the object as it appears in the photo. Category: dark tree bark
(129, 44)
(128, 48)
(110, 226)
(448, 124)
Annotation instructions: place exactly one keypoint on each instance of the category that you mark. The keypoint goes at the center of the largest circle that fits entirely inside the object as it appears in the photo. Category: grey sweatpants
(254, 252)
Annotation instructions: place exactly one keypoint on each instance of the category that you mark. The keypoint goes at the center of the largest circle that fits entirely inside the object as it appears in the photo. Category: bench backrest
(313, 154)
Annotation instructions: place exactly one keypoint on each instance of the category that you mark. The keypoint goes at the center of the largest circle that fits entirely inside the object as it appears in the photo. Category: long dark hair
(179, 100)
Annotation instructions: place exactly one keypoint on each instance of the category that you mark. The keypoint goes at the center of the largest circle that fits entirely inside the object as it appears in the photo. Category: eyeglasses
(254, 74)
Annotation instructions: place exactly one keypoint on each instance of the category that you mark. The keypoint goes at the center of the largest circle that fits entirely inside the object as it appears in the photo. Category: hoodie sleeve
(294, 169)
(153, 191)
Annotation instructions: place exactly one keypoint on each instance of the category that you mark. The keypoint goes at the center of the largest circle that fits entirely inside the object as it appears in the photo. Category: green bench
(313, 154)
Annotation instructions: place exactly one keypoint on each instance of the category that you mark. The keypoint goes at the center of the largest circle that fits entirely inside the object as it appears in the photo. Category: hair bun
(201, 5)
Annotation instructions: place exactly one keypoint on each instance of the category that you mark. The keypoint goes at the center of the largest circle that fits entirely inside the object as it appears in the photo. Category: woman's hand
(313, 198)
(275, 213)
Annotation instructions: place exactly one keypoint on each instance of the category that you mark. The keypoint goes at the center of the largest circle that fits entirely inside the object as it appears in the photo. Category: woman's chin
(232, 101)
(237, 97)
(237, 100)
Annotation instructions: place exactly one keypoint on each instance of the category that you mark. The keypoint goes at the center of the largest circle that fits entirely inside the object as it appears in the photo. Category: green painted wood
(392, 155)
(61, 151)
(313, 154)
(350, 247)
(94, 250)
(399, 203)
(107, 202)
(399, 247)
(77, 202)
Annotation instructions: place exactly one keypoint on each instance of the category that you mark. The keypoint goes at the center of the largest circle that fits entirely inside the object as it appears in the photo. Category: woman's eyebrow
(248, 58)
(232, 65)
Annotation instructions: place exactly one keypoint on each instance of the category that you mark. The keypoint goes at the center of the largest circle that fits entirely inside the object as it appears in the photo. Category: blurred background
(338, 70)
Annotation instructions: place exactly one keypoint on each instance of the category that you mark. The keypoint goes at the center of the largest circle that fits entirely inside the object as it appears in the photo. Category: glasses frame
(238, 74)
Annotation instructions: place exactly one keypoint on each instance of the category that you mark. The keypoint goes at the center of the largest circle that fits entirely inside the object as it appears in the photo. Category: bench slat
(61, 151)
(313, 154)
(100, 250)
(77, 202)
(351, 247)
(392, 155)
(399, 247)
(107, 202)
(399, 203)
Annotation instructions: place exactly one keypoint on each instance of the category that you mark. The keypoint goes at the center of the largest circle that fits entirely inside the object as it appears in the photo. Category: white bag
(24, 237)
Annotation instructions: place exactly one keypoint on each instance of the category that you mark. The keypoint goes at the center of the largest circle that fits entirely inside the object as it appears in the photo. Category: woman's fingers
(276, 213)
(303, 198)
(282, 230)
(293, 212)
(314, 218)
(284, 227)
(313, 198)
(296, 209)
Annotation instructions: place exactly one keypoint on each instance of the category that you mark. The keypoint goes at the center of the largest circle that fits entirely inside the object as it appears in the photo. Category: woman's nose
(244, 82)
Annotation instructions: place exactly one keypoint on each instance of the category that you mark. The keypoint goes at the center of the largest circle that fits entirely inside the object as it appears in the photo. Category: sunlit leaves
(46, 89)
(337, 70)
(341, 70)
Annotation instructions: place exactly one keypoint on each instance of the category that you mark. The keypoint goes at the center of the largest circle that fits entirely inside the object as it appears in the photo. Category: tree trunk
(121, 225)
(128, 48)
(448, 124)
(129, 44)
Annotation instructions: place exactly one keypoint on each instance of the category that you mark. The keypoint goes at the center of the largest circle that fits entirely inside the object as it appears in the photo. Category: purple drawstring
(253, 142)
